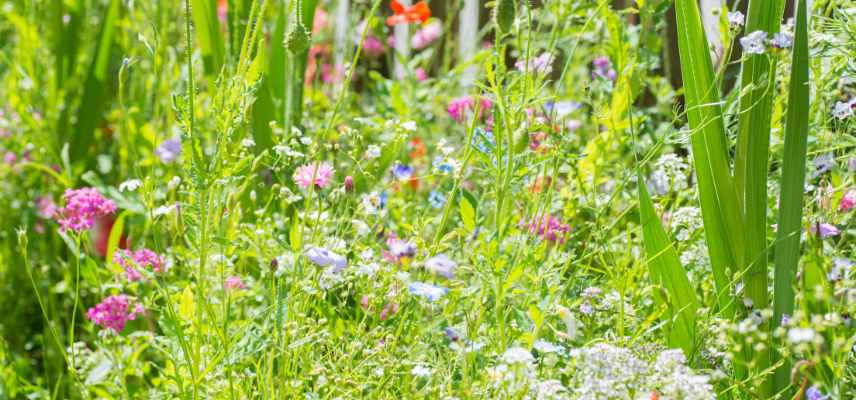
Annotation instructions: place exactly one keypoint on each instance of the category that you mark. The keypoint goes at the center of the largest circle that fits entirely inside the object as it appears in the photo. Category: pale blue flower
(427, 290)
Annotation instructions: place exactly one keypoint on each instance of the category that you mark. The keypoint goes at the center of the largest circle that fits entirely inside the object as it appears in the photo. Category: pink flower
(421, 75)
(549, 228)
(427, 35)
(234, 282)
(113, 312)
(373, 47)
(847, 201)
(142, 258)
(9, 158)
(460, 107)
(47, 208)
(82, 206)
(318, 174)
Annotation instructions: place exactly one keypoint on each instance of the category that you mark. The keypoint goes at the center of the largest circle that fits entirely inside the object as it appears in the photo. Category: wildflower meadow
(413, 199)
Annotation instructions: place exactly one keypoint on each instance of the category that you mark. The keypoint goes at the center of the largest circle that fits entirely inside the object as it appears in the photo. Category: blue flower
(324, 258)
(442, 265)
(436, 199)
(427, 290)
(402, 172)
(169, 150)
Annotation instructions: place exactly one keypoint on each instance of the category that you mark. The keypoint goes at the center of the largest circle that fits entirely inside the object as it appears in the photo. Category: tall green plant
(793, 176)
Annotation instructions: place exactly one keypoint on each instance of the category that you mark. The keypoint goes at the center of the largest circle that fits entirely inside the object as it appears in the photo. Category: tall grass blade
(719, 204)
(208, 33)
(664, 268)
(793, 176)
(753, 144)
(95, 90)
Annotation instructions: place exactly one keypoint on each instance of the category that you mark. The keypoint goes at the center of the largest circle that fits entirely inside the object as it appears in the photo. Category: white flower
(409, 126)
(130, 185)
(736, 18)
(517, 355)
(754, 43)
(782, 40)
(843, 109)
(372, 152)
(248, 142)
(544, 346)
(800, 335)
(174, 182)
(164, 210)
(421, 371)
(428, 291)
(549, 389)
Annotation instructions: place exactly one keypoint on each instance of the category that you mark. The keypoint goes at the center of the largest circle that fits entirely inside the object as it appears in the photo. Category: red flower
(407, 15)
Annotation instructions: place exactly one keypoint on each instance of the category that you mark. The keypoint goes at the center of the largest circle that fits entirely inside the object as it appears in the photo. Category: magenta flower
(114, 312)
(133, 261)
(373, 47)
(549, 228)
(460, 107)
(420, 73)
(82, 206)
(318, 174)
(10, 158)
(603, 69)
(234, 282)
(847, 201)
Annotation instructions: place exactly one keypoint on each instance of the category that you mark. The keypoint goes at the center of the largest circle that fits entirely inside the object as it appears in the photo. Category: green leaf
(115, 236)
(186, 304)
(792, 187)
(207, 25)
(665, 270)
(723, 221)
(95, 90)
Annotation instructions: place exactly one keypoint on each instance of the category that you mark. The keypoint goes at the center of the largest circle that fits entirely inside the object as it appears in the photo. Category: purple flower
(442, 265)
(826, 230)
(324, 258)
(813, 393)
(427, 35)
(754, 43)
(603, 69)
(169, 150)
(549, 228)
(401, 248)
(402, 172)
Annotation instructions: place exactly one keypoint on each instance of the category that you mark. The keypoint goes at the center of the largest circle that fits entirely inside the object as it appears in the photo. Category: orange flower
(417, 148)
(407, 15)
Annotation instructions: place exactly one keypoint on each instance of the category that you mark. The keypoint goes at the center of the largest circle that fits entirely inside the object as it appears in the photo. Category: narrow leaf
(665, 270)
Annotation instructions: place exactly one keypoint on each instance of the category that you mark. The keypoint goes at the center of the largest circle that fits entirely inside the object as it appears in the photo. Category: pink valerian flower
(549, 228)
(847, 201)
(427, 35)
(82, 206)
(317, 174)
(136, 260)
(460, 107)
(234, 282)
(114, 312)
(47, 209)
